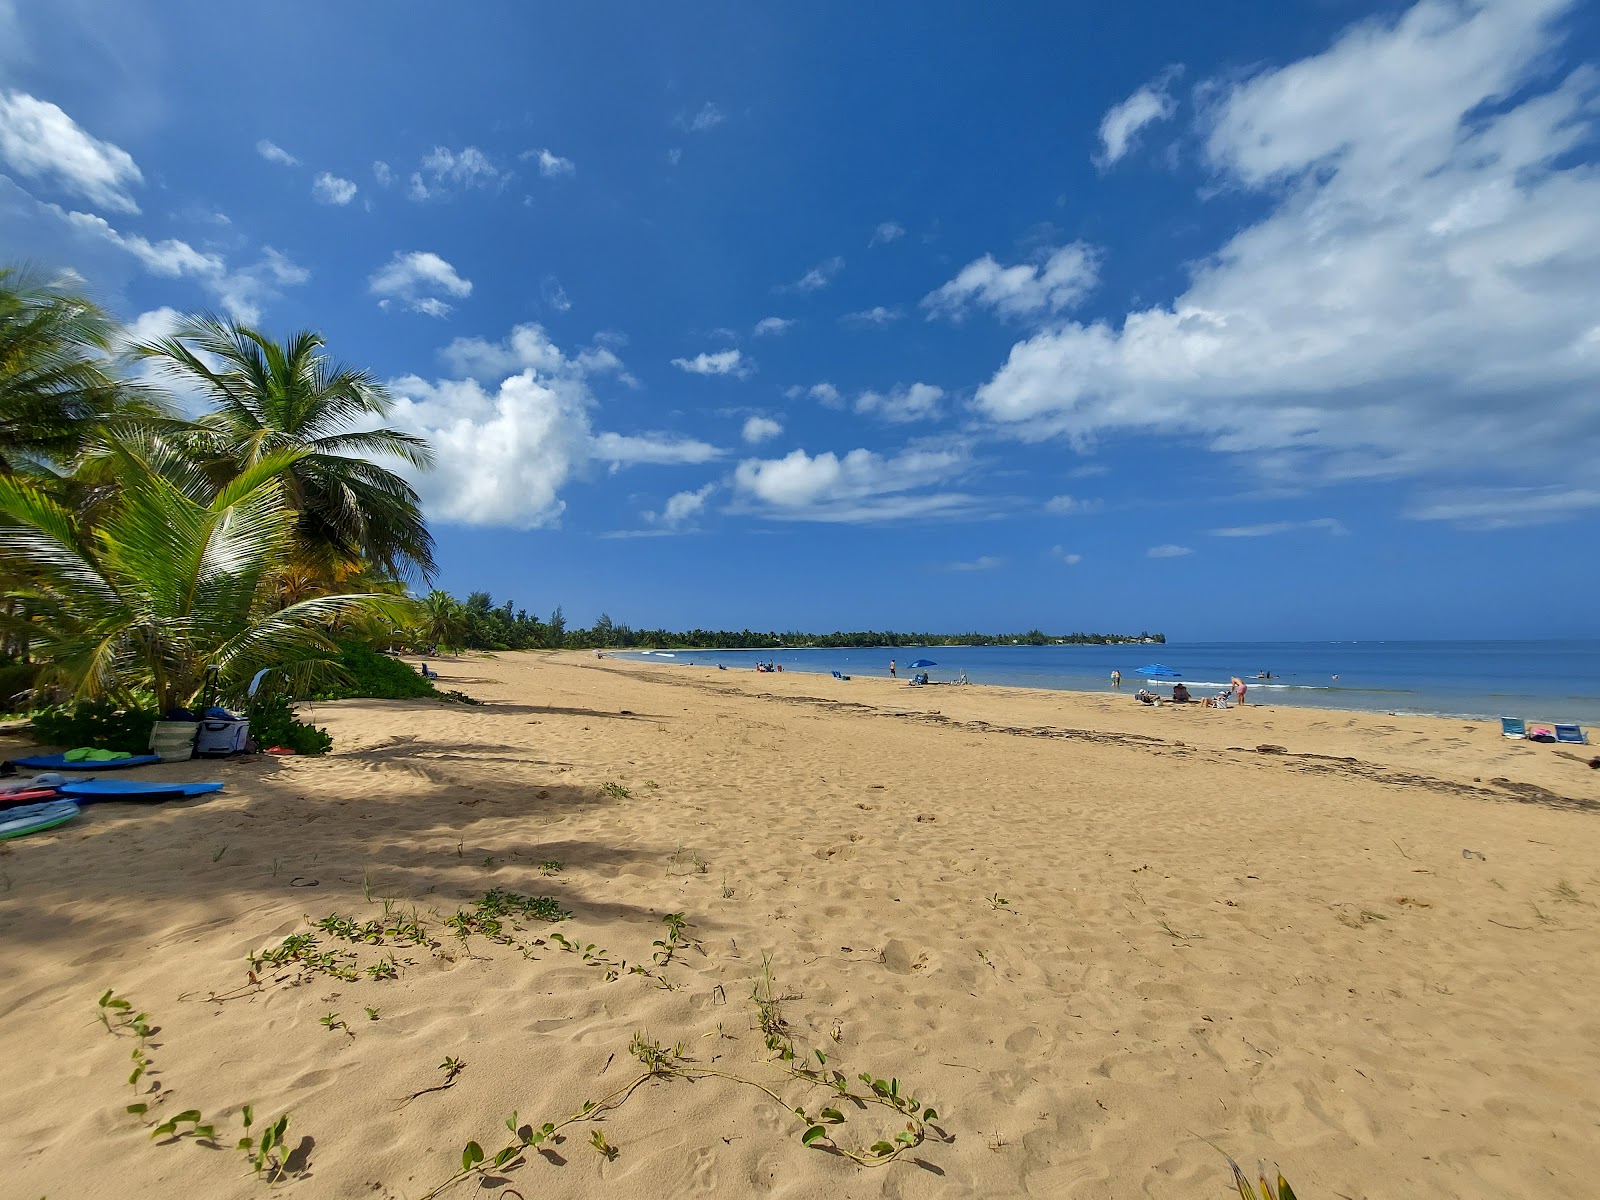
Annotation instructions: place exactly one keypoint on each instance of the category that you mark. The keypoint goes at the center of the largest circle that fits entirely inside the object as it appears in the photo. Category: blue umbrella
(1157, 671)
(923, 662)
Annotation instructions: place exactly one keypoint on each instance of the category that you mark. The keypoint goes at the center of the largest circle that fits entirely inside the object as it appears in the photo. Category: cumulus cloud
(444, 170)
(823, 393)
(554, 294)
(1419, 298)
(330, 189)
(760, 429)
(241, 291)
(723, 362)
(1326, 524)
(39, 140)
(819, 277)
(515, 428)
(1070, 504)
(1168, 551)
(550, 163)
(681, 507)
(772, 325)
(875, 317)
(383, 173)
(709, 116)
(1061, 553)
(918, 402)
(888, 231)
(1120, 127)
(416, 279)
(858, 487)
(1054, 281)
(275, 153)
(984, 562)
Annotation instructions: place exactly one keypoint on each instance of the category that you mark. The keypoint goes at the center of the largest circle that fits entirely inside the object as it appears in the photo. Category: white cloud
(1071, 560)
(38, 140)
(878, 317)
(444, 169)
(861, 486)
(554, 294)
(330, 189)
(984, 562)
(241, 291)
(1168, 551)
(1089, 471)
(416, 279)
(723, 362)
(1420, 299)
(681, 507)
(1507, 508)
(275, 153)
(1070, 504)
(888, 231)
(662, 449)
(773, 325)
(674, 156)
(918, 402)
(506, 450)
(820, 276)
(383, 173)
(760, 429)
(1052, 282)
(1122, 123)
(1327, 524)
(551, 164)
(823, 393)
(708, 117)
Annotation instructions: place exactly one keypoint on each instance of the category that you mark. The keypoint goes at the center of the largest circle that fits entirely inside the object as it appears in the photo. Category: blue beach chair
(1513, 727)
(846, 678)
(1571, 733)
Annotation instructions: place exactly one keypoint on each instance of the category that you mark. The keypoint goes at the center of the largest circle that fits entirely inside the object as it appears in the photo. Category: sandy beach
(1091, 934)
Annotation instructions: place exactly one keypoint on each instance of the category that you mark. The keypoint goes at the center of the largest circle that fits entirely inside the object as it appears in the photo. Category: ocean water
(1539, 680)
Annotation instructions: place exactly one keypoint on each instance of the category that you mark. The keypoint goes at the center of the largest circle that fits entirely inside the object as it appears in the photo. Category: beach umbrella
(923, 663)
(1157, 671)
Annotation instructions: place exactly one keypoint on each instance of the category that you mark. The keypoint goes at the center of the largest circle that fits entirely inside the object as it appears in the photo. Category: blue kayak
(59, 762)
(31, 818)
(90, 790)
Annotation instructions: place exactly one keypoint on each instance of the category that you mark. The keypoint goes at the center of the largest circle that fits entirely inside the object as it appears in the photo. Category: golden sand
(1090, 933)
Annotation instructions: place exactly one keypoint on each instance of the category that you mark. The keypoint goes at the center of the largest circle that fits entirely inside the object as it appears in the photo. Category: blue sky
(1236, 321)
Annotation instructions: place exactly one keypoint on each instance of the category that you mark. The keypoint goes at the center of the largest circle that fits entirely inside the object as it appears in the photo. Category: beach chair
(1513, 727)
(846, 678)
(1571, 733)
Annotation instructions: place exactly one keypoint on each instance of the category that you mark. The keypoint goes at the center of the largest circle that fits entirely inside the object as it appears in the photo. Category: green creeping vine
(265, 1151)
(659, 1062)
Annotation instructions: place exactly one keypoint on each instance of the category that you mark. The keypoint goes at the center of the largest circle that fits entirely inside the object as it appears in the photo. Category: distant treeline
(478, 624)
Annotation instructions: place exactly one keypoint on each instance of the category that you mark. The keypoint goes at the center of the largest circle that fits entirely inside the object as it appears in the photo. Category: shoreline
(1258, 688)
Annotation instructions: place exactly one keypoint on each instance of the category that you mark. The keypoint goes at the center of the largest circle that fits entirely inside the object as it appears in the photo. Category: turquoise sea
(1537, 680)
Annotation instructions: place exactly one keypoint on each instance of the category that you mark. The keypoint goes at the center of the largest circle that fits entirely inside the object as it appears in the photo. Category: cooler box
(218, 739)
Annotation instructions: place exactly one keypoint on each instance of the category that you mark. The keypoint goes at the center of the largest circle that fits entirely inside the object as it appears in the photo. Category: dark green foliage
(97, 723)
(273, 723)
(370, 674)
(16, 679)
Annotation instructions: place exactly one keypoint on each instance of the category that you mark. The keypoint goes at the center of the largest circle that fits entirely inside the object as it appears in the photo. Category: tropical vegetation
(151, 561)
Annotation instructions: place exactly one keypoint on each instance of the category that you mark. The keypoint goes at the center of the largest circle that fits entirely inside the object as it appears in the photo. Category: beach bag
(219, 739)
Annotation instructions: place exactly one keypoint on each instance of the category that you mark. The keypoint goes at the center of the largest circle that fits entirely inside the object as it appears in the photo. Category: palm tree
(54, 351)
(270, 397)
(174, 581)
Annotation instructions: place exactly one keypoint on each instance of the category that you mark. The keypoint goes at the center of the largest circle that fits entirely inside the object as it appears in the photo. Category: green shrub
(369, 674)
(273, 723)
(15, 680)
(97, 723)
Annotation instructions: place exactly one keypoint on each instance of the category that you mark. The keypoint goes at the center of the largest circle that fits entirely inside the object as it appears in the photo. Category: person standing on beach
(891, 669)
(1116, 680)
(1239, 690)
